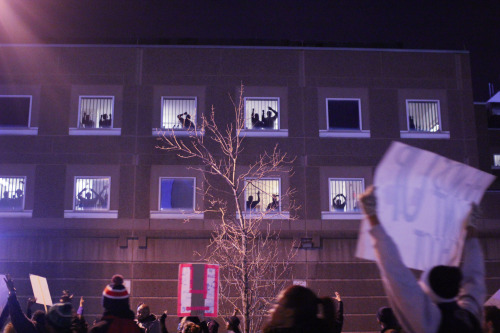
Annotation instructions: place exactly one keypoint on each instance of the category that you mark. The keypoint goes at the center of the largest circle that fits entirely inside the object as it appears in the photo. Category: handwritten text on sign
(423, 200)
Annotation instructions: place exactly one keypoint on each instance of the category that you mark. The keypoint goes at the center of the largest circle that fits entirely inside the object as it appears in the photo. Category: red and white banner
(198, 290)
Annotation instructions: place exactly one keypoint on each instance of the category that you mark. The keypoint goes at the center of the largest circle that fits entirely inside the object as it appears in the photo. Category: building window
(178, 112)
(423, 116)
(177, 194)
(91, 193)
(263, 195)
(13, 192)
(262, 113)
(343, 114)
(344, 194)
(15, 111)
(496, 160)
(96, 111)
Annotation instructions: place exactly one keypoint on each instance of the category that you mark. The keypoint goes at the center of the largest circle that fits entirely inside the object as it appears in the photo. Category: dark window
(343, 114)
(177, 193)
(15, 111)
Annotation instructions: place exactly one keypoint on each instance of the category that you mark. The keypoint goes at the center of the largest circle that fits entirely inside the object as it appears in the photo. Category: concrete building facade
(98, 198)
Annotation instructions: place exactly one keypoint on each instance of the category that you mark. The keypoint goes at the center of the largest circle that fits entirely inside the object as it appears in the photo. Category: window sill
(178, 132)
(424, 135)
(19, 131)
(266, 215)
(176, 215)
(495, 167)
(106, 214)
(362, 134)
(95, 131)
(341, 215)
(283, 133)
(19, 213)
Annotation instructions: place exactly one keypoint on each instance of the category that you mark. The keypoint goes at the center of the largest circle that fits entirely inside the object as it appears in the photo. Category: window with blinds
(423, 116)
(96, 111)
(177, 194)
(262, 113)
(178, 112)
(496, 160)
(263, 195)
(91, 193)
(344, 194)
(15, 111)
(12, 190)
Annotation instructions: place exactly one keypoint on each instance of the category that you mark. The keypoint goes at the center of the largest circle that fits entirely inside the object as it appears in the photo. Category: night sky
(443, 25)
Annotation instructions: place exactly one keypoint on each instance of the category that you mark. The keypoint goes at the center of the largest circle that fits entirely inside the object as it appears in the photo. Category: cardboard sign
(423, 201)
(41, 290)
(4, 292)
(198, 290)
(494, 300)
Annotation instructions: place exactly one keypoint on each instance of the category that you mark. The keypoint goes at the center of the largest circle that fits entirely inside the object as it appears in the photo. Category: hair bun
(117, 279)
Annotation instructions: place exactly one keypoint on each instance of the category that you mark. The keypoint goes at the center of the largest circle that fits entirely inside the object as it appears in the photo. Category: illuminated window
(91, 193)
(96, 112)
(15, 111)
(343, 114)
(263, 195)
(496, 160)
(423, 116)
(262, 113)
(177, 194)
(12, 190)
(344, 194)
(178, 112)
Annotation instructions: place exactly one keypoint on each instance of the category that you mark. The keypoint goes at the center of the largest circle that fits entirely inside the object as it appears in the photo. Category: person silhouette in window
(86, 121)
(104, 121)
(275, 204)
(186, 121)
(91, 202)
(270, 119)
(5, 202)
(256, 122)
(251, 205)
(339, 202)
(412, 124)
(17, 200)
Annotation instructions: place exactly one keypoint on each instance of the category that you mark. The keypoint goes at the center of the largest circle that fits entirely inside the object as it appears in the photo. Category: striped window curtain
(258, 105)
(91, 193)
(12, 191)
(172, 107)
(96, 112)
(263, 195)
(344, 194)
(423, 116)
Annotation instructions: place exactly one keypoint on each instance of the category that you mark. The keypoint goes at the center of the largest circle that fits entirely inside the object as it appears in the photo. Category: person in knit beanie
(117, 316)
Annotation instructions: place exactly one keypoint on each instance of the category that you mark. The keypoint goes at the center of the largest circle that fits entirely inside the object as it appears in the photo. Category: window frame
(19, 130)
(91, 211)
(496, 161)
(360, 118)
(23, 205)
(279, 214)
(173, 98)
(176, 210)
(331, 214)
(251, 132)
(96, 131)
(80, 97)
(412, 134)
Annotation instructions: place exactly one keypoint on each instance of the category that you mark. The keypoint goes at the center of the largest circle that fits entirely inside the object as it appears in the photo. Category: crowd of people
(446, 299)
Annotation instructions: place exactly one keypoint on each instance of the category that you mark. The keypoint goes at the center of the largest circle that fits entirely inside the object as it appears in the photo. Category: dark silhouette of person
(270, 119)
(252, 204)
(275, 204)
(105, 121)
(5, 201)
(411, 124)
(91, 202)
(339, 201)
(256, 122)
(186, 121)
(86, 121)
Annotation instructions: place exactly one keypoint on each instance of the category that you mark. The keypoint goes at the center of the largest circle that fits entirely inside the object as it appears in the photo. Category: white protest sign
(494, 300)
(41, 290)
(423, 200)
(4, 292)
(198, 290)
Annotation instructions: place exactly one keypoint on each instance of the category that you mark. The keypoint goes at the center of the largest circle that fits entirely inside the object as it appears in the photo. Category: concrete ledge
(108, 214)
(19, 131)
(96, 131)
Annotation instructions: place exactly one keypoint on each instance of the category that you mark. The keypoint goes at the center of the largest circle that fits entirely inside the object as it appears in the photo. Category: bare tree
(254, 262)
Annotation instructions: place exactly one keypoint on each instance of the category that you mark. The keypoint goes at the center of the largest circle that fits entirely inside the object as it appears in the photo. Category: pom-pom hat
(115, 293)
